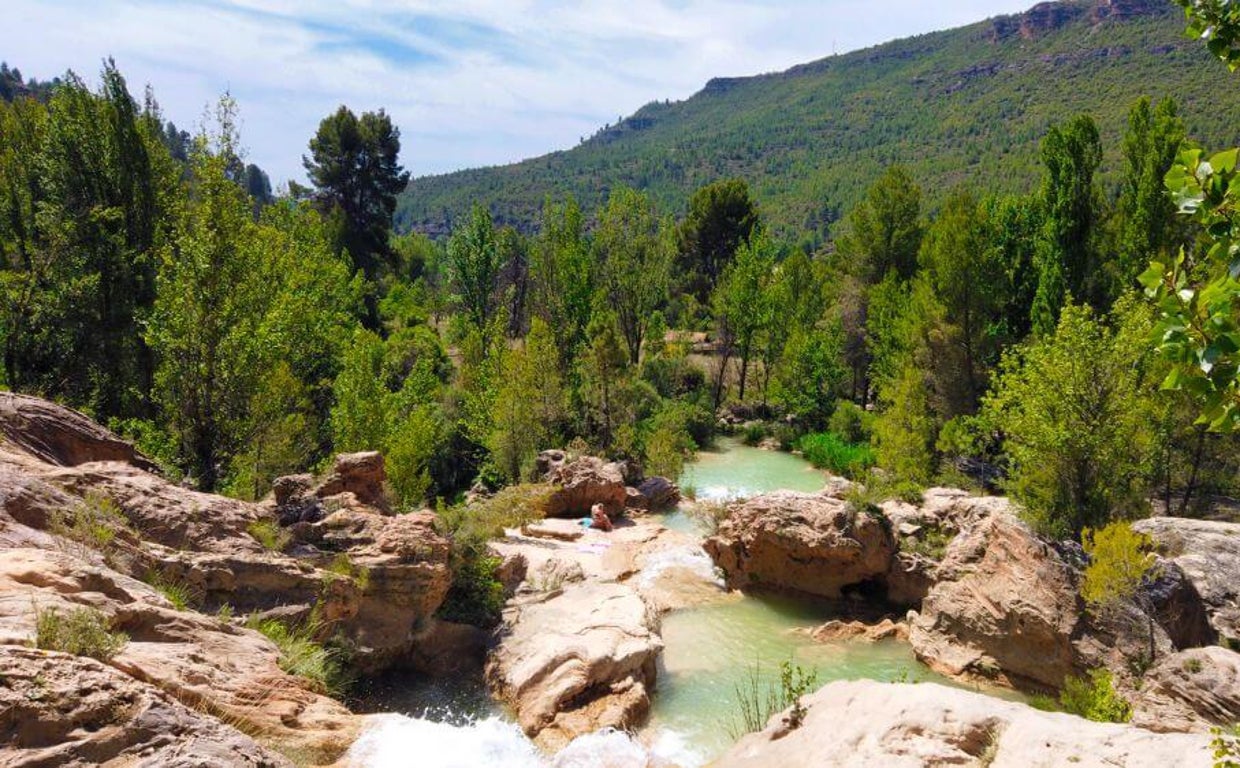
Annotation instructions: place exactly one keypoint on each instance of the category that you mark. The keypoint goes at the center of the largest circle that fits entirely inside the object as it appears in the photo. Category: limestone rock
(200, 661)
(63, 710)
(1209, 555)
(583, 483)
(809, 543)
(661, 492)
(359, 474)
(59, 435)
(580, 660)
(1190, 691)
(1004, 600)
(867, 724)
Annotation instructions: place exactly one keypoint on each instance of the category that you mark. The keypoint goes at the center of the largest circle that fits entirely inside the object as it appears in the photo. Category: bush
(829, 451)
(476, 596)
(302, 655)
(81, 632)
(851, 422)
(753, 434)
(1093, 697)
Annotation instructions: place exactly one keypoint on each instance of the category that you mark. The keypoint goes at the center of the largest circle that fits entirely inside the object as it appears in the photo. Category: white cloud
(470, 82)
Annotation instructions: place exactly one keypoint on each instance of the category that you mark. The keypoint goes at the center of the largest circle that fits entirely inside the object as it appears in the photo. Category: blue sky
(469, 82)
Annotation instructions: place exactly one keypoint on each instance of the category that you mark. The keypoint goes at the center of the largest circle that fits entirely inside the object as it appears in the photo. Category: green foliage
(1226, 747)
(721, 218)
(1093, 697)
(759, 698)
(827, 450)
(671, 439)
(529, 404)
(742, 303)
(1074, 425)
(884, 230)
(634, 251)
(343, 566)
(851, 422)
(904, 432)
(562, 273)
(810, 373)
(83, 631)
(301, 654)
(1197, 330)
(473, 267)
(1120, 560)
(354, 169)
(269, 534)
(476, 596)
(1218, 23)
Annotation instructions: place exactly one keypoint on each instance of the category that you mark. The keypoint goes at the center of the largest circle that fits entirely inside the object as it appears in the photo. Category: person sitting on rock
(599, 519)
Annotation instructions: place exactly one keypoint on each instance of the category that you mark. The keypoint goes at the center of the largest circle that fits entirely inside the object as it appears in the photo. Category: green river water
(709, 651)
(712, 650)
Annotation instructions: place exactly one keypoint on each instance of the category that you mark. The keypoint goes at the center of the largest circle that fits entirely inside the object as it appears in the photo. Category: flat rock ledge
(866, 724)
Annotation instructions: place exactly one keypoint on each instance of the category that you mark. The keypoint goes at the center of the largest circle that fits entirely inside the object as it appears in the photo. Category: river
(709, 652)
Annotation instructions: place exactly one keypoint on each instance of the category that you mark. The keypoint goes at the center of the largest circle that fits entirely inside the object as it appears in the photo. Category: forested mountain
(963, 106)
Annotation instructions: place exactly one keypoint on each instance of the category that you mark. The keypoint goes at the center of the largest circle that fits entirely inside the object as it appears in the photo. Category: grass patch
(301, 654)
(928, 542)
(343, 567)
(826, 450)
(708, 515)
(93, 523)
(82, 632)
(753, 434)
(269, 534)
(176, 591)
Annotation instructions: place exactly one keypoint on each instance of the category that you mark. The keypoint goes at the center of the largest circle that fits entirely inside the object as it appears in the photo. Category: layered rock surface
(576, 660)
(866, 724)
(61, 710)
(811, 543)
(1208, 553)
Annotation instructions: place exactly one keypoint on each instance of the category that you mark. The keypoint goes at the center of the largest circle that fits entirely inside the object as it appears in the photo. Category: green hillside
(963, 106)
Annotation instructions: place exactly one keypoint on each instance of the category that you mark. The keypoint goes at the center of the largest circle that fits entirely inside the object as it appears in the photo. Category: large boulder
(57, 709)
(1208, 553)
(577, 659)
(1006, 604)
(1192, 690)
(660, 492)
(59, 435)
(809, 543)
(867, 724)
(1004, 600)
(581, 484)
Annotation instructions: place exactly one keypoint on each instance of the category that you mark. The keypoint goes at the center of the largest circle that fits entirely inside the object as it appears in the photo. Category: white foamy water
(396, 741)
(690, 559)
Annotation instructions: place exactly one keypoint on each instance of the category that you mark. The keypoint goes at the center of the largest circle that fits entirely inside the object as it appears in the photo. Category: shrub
(829, 451)
(81, 632)
(269, 534)
(758, 698)
(302, 655)
(851, 422)
(476, 596)
(753, 434)
(1093, 697)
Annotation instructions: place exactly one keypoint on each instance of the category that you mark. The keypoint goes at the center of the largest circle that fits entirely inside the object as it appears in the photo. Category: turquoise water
(733, 469)
(712, 650)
